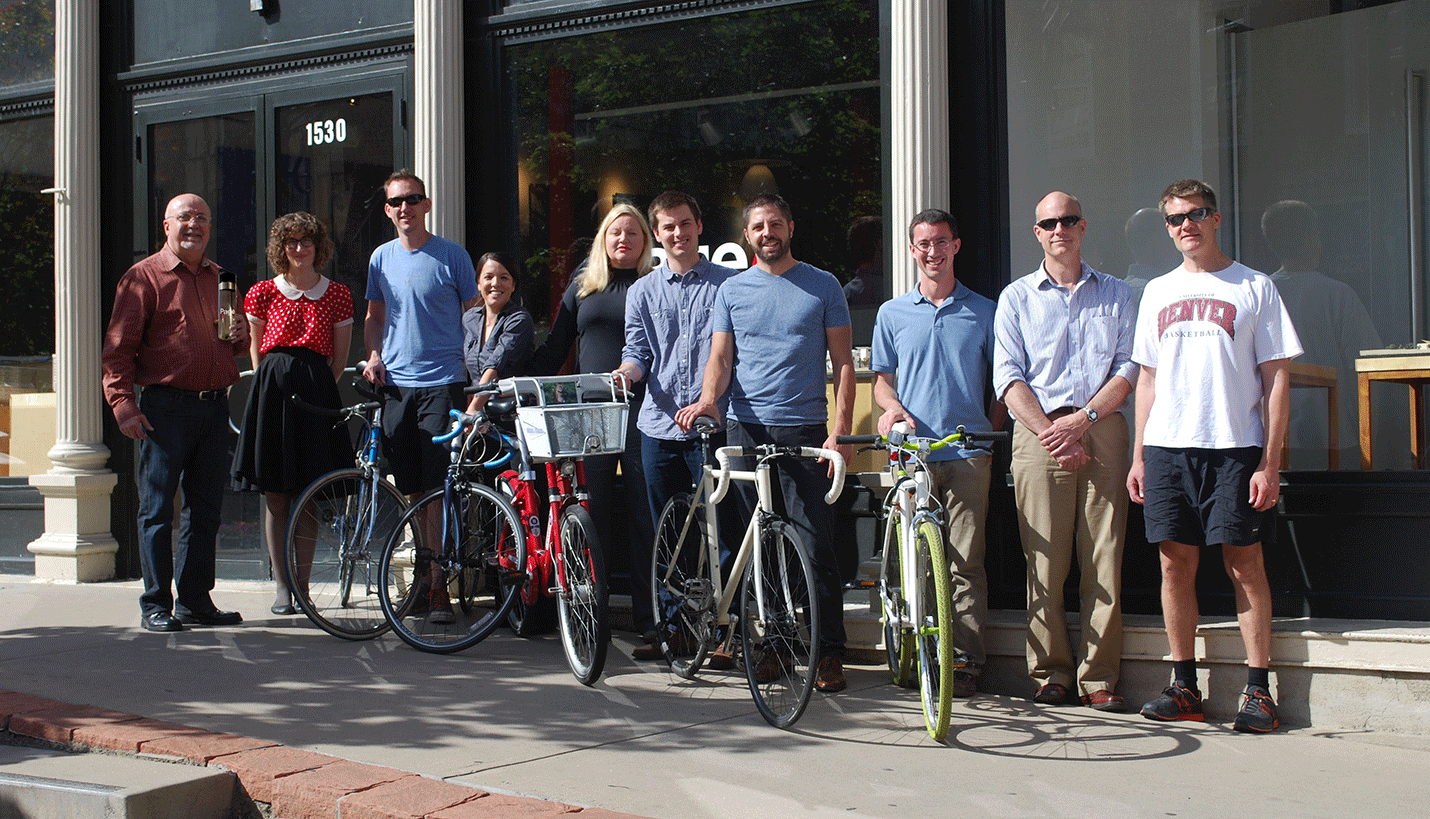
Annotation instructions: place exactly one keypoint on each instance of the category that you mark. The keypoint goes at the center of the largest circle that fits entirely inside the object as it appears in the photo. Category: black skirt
(282, 447)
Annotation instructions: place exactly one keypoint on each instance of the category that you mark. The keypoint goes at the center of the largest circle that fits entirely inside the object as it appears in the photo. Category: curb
(276, 781)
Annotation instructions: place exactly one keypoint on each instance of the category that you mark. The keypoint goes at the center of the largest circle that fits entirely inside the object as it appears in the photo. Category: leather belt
(202, 395)
(1061, 411)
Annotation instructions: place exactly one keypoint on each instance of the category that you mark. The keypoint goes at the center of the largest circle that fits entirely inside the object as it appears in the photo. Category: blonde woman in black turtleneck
(593, 316)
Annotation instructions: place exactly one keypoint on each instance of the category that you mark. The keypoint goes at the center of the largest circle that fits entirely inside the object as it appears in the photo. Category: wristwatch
(1091, 414)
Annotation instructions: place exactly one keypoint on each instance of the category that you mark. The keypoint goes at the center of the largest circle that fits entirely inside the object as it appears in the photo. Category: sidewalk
(507, 718)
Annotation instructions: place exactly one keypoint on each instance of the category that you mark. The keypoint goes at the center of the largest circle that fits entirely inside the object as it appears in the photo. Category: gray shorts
(1201, 497)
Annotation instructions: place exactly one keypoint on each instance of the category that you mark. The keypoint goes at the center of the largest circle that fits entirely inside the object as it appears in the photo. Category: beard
(772, 254)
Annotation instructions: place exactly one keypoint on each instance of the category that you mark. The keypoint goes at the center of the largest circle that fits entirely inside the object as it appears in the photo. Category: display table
(1408, 367)
(1315, 375)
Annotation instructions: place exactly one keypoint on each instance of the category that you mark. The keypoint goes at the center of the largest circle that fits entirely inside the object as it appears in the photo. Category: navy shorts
(1201, 497)
(411, 417)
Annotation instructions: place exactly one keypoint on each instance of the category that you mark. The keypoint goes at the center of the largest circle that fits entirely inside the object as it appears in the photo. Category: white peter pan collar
(292, 293)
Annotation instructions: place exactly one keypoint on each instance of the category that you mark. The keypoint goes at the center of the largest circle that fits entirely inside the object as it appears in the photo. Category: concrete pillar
(919, 124)
(440, 113)
(77, 544)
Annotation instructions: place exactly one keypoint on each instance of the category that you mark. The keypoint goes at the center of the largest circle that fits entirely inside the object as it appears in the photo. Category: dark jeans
(802, 484)
(188, 447)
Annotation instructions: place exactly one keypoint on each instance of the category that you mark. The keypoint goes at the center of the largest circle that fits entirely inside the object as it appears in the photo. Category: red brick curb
(297, 784)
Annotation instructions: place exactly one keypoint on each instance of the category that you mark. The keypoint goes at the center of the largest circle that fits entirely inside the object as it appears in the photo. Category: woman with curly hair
(301, 325)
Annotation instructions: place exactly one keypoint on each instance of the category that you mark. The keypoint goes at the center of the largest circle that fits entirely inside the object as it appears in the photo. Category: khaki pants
(962, 487)
(1059, 511)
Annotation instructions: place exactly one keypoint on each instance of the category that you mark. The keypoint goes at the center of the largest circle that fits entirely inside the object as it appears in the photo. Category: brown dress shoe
(721, 660)
(1104, 700)
(1052, 694)
(830, 676)
(648, 651)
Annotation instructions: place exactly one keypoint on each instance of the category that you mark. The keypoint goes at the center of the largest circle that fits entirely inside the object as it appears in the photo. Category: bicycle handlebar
(724, 453)
(329, 412)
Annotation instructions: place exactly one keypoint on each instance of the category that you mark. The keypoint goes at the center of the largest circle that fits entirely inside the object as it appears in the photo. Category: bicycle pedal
(860, 584)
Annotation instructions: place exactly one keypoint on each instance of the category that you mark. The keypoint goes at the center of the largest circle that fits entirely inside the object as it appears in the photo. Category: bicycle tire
(347, 526)
(682, 587)
(582, 606)
(523, 618)
(485, 557)
(899, 647)
(933, 638)
(782, 646)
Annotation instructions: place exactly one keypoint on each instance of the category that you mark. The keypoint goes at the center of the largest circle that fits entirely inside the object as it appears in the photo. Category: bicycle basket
(569, 416)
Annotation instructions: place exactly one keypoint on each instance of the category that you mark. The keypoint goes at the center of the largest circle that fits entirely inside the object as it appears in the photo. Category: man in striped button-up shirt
(1063, 365)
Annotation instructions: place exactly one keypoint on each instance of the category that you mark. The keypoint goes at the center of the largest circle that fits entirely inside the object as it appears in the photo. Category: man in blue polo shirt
(933, 359)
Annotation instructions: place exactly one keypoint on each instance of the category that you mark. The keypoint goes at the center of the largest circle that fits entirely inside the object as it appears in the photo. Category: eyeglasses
(925, 246)
(410, 200)
(294, 244)
(1195, 214)
(1069, 221)
(190, 216)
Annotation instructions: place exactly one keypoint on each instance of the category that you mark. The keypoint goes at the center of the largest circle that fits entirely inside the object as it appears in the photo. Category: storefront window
(781, 100)
(27, 42)
(1307, 123)
(27, 313)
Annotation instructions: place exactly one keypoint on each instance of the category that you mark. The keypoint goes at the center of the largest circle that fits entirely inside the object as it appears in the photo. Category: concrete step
(38, 783)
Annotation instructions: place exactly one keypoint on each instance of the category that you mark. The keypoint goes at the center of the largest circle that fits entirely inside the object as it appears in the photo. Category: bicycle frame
(708, 497)
(913, 502)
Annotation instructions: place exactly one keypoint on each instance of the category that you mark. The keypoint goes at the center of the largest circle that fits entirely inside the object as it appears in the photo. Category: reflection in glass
(27, 41)
(27, 313)
(333, 156)
(783, 99)
(211, 157)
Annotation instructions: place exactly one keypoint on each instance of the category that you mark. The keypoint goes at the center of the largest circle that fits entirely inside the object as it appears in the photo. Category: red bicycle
(557, 422)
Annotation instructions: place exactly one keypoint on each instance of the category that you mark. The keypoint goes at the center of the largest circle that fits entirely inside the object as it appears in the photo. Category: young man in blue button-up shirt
(667, 346)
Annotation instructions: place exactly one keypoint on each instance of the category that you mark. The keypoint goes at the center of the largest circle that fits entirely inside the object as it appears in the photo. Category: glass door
(332, 155)
(325, 148)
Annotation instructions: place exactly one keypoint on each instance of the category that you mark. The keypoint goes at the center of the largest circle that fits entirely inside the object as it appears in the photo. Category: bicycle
(914, 580)
(460, 542)
(778, 617)
(558, 422)
(337, 528)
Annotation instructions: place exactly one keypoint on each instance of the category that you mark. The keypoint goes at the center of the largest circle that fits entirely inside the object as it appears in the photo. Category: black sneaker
(1258, 713)
(1176, 703)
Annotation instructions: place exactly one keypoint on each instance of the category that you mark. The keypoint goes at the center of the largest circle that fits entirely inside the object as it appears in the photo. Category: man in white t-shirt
(1213, 340)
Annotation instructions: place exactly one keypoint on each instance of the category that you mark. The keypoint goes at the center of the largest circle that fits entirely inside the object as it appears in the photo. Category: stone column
(440, 114)
(77, 544)
(919, 124)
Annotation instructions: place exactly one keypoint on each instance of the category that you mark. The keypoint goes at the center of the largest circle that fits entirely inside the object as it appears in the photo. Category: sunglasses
(1069, 221)
(410, 200)
(1196, 215)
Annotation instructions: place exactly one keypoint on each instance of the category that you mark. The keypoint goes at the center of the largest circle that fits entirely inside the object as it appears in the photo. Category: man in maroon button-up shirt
(163, 338)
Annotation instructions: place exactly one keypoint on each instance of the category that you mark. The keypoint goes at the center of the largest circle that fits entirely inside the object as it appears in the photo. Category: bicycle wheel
(682, 587)
(335, 537)
(781, 626)
(935, 662)
(898, 636)
(483, 557)
(581, 605)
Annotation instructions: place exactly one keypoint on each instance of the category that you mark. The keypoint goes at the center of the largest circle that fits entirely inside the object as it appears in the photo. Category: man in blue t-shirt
(771, 328)
(418, 286)
(933, 363)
